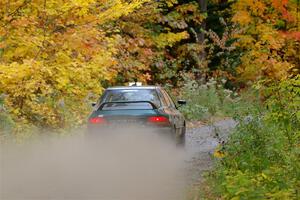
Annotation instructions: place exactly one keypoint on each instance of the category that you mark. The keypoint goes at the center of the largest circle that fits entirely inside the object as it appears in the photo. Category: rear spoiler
(151, 103)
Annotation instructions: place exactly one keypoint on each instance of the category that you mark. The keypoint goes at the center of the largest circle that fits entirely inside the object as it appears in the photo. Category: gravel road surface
(200, 144)
(125, 166)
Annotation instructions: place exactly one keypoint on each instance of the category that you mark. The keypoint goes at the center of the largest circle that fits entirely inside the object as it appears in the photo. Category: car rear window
(127, 106)
(124, 95)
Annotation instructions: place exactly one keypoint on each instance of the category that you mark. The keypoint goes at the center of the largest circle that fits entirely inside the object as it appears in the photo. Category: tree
(270, 39)
(55, 54)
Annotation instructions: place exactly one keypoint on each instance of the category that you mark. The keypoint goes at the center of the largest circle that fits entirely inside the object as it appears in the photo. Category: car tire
(183, 130)
(180, 136)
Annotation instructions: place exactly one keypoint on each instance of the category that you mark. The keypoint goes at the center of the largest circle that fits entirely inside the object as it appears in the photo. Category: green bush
(6, 123)
(262, 156)
(11, 129)
(211, 99)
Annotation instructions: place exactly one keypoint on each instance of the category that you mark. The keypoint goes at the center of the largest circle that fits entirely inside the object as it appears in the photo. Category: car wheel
(180, 136)
(183, 130)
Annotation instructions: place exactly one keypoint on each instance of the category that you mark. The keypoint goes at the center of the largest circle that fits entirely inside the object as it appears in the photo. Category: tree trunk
(201, 34)
(201, 37)
(203, 10)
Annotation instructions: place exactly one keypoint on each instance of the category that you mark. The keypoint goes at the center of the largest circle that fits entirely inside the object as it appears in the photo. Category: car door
(176, 117)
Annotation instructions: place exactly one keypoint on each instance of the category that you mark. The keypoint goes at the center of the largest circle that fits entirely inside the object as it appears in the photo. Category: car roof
(133, 87)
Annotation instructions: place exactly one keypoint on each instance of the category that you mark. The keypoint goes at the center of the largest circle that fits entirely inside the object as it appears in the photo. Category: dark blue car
(139, 106)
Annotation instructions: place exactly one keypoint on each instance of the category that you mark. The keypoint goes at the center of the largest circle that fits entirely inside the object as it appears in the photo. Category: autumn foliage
(56, 56)
(269, 40)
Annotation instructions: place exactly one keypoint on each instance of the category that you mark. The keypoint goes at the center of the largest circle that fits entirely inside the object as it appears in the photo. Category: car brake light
(98, 120)
(158, 120)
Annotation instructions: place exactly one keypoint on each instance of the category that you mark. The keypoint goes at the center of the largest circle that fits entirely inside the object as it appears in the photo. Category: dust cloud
(127, 165)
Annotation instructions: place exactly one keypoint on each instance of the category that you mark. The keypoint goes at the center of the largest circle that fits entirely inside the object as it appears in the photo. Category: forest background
(238, 57)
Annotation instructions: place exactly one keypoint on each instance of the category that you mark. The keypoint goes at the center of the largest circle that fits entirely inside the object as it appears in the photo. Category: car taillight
(158, 120)
(97, 120)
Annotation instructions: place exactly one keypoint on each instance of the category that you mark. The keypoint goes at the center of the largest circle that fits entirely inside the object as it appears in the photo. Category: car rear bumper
(109, 130)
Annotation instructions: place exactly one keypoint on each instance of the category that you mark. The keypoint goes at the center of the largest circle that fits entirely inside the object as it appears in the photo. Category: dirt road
(200, 144)
(127, 166)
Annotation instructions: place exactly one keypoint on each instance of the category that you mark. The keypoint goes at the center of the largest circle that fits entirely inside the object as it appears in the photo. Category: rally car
(140, 106)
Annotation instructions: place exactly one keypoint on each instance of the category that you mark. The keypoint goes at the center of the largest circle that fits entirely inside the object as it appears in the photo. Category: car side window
(162, 98)
(168, 98)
